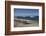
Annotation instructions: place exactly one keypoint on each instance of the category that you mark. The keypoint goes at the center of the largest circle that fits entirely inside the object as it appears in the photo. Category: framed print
(24, 17)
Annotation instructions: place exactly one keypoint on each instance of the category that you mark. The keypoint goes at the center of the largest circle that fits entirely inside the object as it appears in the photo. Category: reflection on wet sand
(25, 23)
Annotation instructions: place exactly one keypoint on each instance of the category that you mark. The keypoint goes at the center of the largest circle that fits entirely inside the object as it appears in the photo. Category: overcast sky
(26, 12)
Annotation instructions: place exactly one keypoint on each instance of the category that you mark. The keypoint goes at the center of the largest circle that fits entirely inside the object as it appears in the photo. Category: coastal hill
(28, 17)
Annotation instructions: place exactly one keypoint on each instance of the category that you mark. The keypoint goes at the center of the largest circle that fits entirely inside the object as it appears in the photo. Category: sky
(26, 12)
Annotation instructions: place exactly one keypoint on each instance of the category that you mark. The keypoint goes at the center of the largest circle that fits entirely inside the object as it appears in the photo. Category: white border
(27, 28)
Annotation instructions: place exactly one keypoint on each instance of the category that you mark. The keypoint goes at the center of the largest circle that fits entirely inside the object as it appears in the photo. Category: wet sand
(30, 23)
